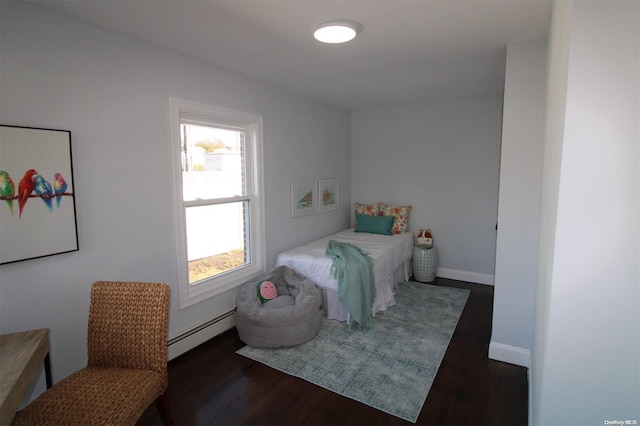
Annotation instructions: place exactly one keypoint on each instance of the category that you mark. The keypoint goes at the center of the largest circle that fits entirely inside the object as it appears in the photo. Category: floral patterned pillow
(400, 216)
(368, 209)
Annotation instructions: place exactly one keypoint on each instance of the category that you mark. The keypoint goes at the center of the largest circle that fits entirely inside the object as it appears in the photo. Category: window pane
(212, 162)
(216, 239)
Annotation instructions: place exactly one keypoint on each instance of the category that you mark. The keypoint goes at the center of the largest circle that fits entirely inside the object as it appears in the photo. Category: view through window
(215, 197)
(219, 201)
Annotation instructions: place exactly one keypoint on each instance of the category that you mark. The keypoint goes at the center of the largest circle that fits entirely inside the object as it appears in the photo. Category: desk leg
(47, 370)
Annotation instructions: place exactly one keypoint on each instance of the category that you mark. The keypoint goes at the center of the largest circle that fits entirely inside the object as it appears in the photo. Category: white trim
(179, 108)
(472, 277)
(510, 354)
(198, 335)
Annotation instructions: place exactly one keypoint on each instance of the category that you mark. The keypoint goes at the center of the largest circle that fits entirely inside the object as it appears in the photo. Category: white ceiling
(409, 50)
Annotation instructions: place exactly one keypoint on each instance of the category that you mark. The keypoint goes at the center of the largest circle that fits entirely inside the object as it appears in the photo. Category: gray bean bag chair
(292, 318)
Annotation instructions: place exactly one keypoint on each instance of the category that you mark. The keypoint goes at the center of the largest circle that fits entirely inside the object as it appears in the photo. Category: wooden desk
(21, 355)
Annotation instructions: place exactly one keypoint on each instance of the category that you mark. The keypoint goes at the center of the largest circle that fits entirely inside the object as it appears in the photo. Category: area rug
(390, 367)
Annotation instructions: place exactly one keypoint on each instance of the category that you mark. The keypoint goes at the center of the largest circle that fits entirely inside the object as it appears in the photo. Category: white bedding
(391, 256)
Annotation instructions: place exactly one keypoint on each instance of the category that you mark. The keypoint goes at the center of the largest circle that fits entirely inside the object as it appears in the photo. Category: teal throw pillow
(374, 224)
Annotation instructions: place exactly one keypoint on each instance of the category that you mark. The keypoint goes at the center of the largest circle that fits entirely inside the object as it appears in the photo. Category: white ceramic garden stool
(425, 263)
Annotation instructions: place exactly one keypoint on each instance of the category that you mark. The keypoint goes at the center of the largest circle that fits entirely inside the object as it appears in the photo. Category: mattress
(391, 256)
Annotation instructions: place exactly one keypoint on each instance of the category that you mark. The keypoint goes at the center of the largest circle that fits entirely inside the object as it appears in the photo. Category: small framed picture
(327, 195)
(303, 197)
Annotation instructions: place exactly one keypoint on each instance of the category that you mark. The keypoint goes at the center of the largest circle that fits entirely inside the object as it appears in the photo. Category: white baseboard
(198, 335)
(510, 354)
(471, 277)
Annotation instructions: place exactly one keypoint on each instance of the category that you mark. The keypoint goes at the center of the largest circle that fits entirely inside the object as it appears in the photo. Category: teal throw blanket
(353, 270)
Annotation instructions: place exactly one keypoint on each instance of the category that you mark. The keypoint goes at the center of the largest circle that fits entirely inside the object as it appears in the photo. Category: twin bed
(391, 256)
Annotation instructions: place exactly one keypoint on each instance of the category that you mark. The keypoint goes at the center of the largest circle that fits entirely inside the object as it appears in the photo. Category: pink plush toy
(267, 291)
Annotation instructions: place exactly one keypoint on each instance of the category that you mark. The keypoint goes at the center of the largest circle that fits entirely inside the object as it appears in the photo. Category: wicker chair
(127, 362)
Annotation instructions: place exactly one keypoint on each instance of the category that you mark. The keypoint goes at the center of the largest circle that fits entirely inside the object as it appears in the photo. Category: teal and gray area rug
(390, 367)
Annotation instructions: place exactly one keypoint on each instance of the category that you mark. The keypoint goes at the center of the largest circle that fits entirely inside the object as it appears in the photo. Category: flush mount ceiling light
(337, 31)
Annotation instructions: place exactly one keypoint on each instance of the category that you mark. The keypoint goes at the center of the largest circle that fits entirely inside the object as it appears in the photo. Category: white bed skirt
(384, 295)
(391, 256)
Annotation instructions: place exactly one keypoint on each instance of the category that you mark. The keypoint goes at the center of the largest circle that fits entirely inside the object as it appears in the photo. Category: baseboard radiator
(198, 335)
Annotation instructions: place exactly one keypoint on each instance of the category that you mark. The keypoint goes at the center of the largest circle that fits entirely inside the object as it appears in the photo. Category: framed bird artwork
(37, 197)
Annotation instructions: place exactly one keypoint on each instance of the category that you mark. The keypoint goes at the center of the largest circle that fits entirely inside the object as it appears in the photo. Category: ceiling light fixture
(337, 31)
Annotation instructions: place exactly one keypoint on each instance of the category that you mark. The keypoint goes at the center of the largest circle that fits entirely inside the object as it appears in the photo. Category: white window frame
(181, 109)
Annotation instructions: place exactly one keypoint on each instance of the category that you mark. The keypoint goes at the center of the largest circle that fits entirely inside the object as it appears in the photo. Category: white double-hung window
(217, 159)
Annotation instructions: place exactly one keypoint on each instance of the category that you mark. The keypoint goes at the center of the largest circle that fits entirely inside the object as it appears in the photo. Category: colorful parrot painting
(59, 186)
(25, 188)
(44, 190)
(7, 189)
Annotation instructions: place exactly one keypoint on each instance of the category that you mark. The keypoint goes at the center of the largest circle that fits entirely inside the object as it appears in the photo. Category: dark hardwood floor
(212, 385)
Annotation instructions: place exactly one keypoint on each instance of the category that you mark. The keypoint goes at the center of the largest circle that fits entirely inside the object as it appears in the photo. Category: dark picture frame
(37, 193)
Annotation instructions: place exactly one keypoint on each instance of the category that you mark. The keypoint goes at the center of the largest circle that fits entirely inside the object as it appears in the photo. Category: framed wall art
(37, 201)
(303, 197)
(327, 194)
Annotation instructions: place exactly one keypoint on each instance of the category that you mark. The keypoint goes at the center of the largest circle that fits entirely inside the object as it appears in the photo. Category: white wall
(443, 158)
(586, 363)
(519, 203)
(113, 93)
